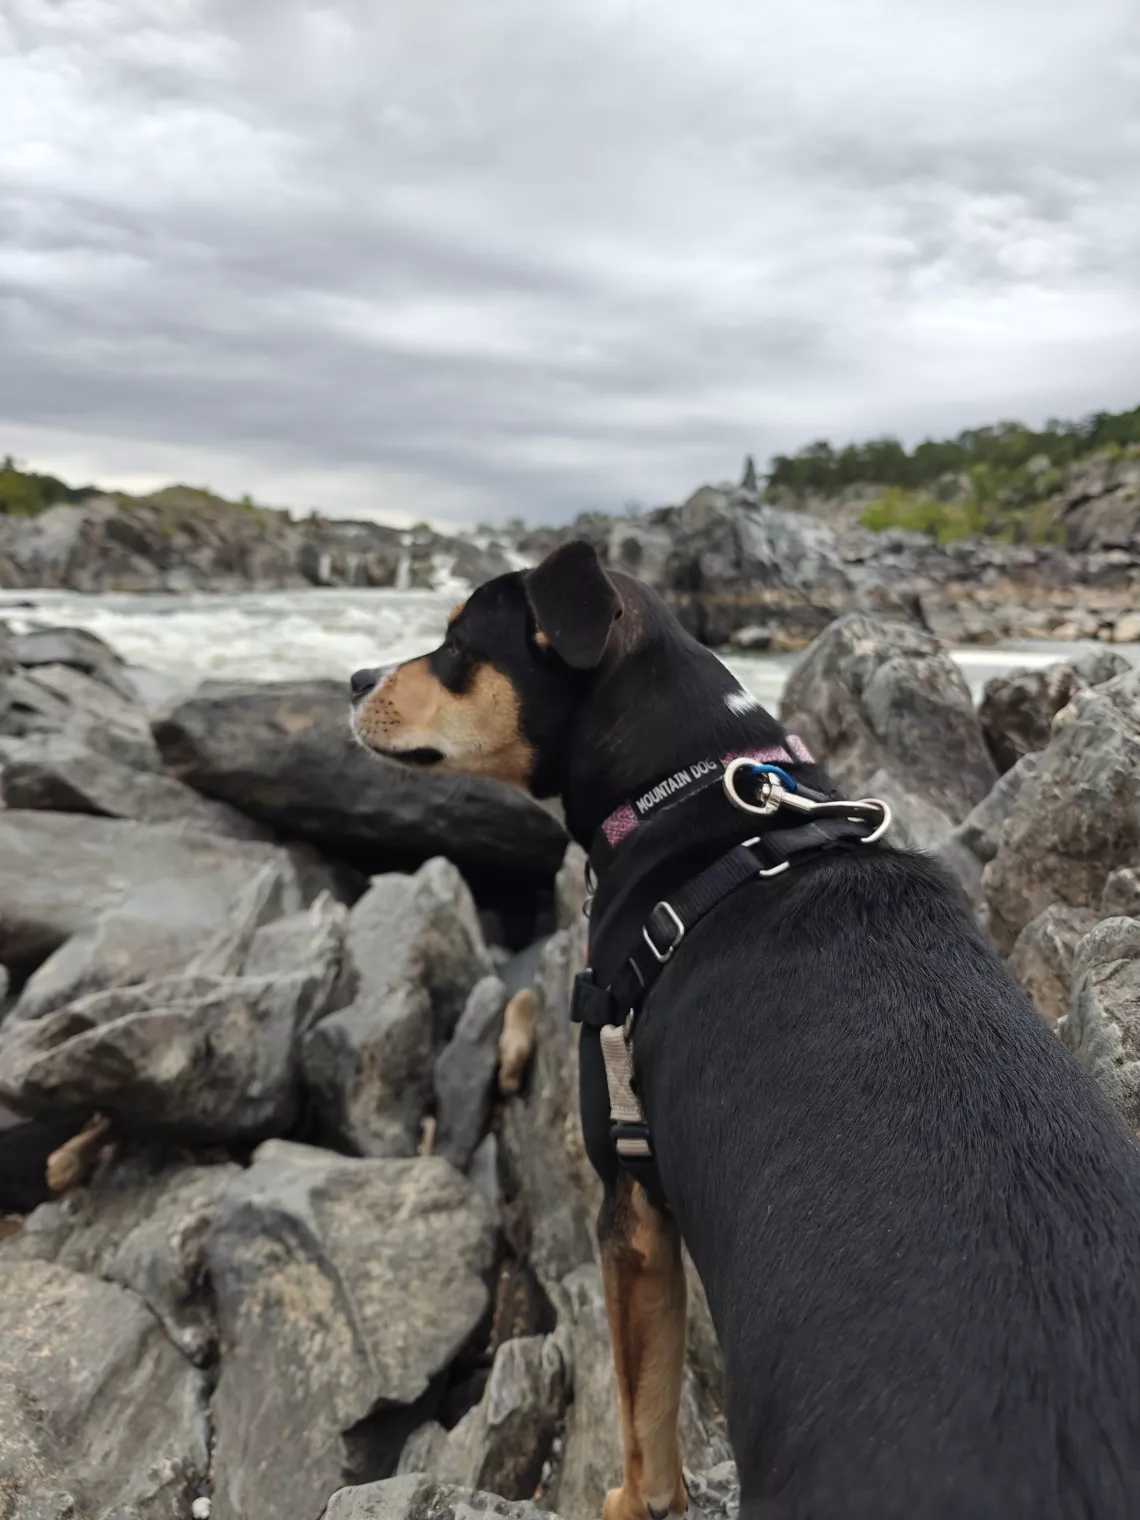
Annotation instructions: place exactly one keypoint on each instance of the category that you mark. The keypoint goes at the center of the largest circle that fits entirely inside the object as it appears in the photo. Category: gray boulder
(77, 648)
(284, 754)
(1077, 818)
(416, 951)
(58, 700)
(1042, 958)
(551, 1192)
(197, 1057)
(60, 872)
(56, 774)
(502, 1444)
(1017, 710)
(873, 695)
(415, 1497)
(1121, 897)
(344, 1288)
(1102, 1027)
(967, 849)
(141, 1224)
(99, 1414)
(716, 1492)
(465, 1076)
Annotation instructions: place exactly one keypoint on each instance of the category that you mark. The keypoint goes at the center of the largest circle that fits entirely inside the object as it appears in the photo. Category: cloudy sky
(464, 259)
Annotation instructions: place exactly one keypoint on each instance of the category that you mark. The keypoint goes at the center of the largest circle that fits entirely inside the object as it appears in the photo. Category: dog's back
(917, 1218)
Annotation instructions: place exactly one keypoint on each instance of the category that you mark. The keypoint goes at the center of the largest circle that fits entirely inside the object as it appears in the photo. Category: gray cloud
(499, 259)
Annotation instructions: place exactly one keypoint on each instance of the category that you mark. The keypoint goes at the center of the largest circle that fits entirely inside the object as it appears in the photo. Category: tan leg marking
(516, 1041)
(645, 1300)
(71, 1165)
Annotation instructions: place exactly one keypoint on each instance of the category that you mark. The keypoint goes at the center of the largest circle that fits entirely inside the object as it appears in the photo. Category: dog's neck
(657, 710)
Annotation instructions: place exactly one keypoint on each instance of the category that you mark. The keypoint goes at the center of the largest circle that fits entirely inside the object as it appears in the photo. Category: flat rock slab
(283, 753)
(99, 1414)
(344, 1287)
(60, 871)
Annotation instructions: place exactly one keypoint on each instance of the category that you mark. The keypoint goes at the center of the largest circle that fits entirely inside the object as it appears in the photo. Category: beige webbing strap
(625, 1107)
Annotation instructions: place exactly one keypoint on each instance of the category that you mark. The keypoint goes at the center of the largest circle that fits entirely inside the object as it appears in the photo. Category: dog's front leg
(645, 1302)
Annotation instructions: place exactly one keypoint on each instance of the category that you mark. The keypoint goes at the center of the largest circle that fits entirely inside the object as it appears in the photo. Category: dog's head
(495, 699)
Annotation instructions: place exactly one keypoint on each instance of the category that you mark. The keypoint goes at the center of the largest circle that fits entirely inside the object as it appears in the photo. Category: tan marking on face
(541, 640)
(476, 731)
(454, 613)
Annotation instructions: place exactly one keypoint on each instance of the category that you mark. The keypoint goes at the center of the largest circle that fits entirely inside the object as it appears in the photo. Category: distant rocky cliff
(737, 567)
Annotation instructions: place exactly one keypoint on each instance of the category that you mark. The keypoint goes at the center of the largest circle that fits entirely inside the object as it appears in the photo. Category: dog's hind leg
(645, 1302)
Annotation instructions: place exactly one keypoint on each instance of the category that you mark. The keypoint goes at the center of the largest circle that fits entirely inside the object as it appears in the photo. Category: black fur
(916, 1218)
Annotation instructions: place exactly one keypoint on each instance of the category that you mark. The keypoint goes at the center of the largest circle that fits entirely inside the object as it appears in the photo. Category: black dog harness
(798, 824)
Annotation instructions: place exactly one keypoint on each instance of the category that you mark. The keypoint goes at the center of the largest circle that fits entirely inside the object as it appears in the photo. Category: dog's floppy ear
(574, 604)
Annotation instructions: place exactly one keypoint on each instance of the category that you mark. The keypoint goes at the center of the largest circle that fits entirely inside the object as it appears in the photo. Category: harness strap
(613, 1010)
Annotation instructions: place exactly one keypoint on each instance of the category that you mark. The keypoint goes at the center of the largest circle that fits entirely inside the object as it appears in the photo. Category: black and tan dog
(917, 1220)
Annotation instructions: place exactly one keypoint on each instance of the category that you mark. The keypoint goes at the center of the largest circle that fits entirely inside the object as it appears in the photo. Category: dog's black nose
(361, 683)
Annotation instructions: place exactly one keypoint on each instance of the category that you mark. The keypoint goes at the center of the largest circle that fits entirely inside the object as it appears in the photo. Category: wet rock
(501, 1445)
(54, 773)
(55, 700)
(99, 1414)
(1017, 710)
(284, 754)
(1102, 1027)
(465, 1076)
(143, 1225)
(1077, 818)
(197, 1057)
(60, 872)
(414, 1497)
(1042, 958)
(417, 951)
(1122, 894)
(871, 695)
(344, 1287)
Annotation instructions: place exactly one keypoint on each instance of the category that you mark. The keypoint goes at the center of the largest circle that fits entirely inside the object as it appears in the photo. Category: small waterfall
(324, 568)
(404, 571)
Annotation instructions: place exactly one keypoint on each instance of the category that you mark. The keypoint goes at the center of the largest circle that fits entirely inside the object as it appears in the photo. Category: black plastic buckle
(631, 1141)
(667, 929)
(591, 1004)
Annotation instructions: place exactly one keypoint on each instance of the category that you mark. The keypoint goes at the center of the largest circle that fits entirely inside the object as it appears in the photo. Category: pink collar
(691, 779)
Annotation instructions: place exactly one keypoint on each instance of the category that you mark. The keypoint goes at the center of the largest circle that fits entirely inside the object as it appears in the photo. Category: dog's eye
(452, 646)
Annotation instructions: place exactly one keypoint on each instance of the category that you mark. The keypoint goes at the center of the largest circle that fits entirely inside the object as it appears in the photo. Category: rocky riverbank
(299, 1220)
(738, 567)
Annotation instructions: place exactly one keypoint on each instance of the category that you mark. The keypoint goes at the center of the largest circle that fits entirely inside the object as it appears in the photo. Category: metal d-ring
(886, 820)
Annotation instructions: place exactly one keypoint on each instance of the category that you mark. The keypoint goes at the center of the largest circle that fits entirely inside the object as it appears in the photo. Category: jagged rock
(54, 773)
(592, 1461)
(570, 890)
(417, 950)
(284, 754)
(77, 648)
(968, 848)
(199, 1057)
(500, 1445)
(418, 1498)
(290, 943)
(552, 1193)
(484, 1172)
(99, 1414)
(344, 1287)
(1102, 1027)
(871, 695)
(1077, 818)
(716, 1492)
(1122, 894)
(142, 1226)
(1042, 958)
(57, 700)
(1017, 710)
(60, 872)
(368, 1069)
(465, 1074)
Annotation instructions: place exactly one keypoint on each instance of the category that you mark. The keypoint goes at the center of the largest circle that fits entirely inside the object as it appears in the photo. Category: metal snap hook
(773, 792)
